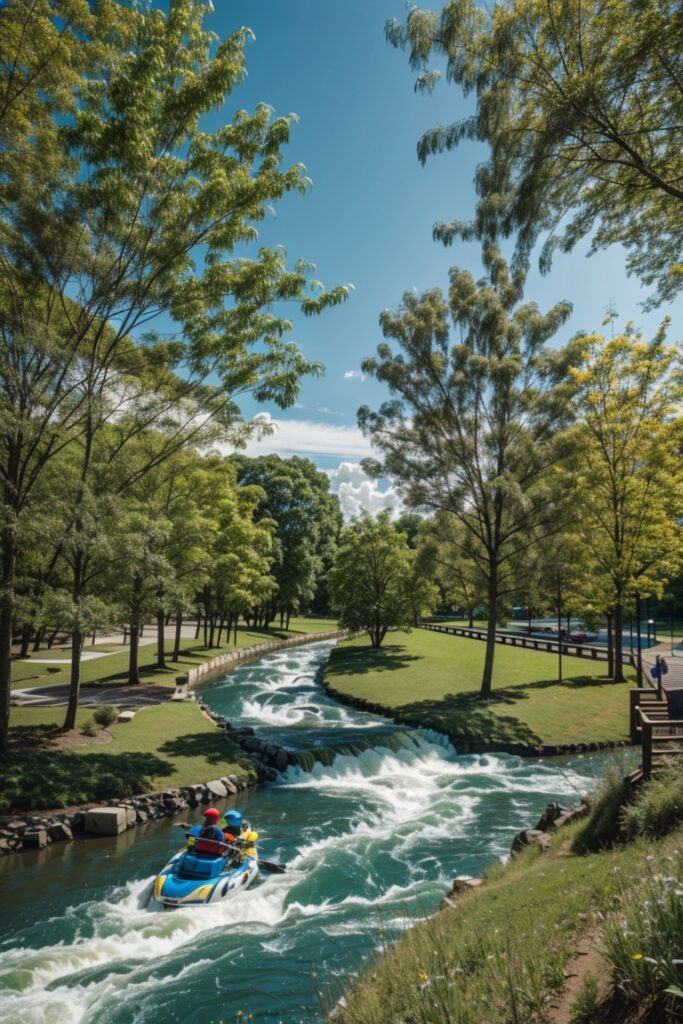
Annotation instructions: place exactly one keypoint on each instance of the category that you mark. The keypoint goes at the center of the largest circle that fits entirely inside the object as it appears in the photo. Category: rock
(465, 883)
(131, 815)
(59, 831)
(229, 785)
(141, 816)
(281, 760)
(35, 839)
(530, 837)
(217, 789)
(77, 821)
(106, 821)
(125, 716)
(549, 816)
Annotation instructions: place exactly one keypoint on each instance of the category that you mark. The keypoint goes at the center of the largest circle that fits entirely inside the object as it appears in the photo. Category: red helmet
(212, 813)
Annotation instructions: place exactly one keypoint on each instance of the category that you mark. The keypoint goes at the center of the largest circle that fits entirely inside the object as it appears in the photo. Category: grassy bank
(556, 938)
(169, 745)
(114, 667)
(433, 680)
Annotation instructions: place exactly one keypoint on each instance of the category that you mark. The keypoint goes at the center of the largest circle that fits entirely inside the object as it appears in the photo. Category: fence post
(647, 746)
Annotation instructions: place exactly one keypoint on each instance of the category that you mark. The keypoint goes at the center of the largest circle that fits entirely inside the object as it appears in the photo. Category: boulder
(229, 785)
(217, 789)
(59, 831)
(106, 821)
(530, 837)
(550, 815)
(131, 815)
(125, 716)
(465, 883)
(281, 760)
(35, 839)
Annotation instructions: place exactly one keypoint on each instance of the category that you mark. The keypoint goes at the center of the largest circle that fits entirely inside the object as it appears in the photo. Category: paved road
(91, 696)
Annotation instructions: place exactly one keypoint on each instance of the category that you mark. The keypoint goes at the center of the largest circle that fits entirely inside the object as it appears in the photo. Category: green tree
(119, 204)
(581, 105)
(628, 479)
(370, 579)
(473, 427)
(307, 518)
(444, 547)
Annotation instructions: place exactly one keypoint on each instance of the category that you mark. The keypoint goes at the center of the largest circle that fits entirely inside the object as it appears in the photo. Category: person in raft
(210, 829)
(238, 832)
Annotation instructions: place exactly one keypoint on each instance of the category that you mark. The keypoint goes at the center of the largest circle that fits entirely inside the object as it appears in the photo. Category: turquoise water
(367, 840)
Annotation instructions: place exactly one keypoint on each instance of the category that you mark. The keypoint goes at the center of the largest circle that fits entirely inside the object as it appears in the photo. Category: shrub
(643, 938)
(88, 728)
(105, 715)
(602, 826)
(658, 808)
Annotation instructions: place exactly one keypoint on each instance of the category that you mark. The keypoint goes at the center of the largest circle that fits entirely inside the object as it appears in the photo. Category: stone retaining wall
(255, 651)
(22, 831)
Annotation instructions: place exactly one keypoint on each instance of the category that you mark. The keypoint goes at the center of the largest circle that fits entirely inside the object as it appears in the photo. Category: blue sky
(368, 220)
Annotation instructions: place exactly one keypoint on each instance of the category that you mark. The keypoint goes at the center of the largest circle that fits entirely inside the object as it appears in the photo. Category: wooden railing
(574, 649)
(661, 737)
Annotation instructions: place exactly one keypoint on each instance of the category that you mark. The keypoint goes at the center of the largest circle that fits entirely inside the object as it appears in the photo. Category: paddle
(277, 869)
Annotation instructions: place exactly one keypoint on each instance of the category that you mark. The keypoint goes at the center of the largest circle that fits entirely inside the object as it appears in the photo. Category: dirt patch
(587, 960)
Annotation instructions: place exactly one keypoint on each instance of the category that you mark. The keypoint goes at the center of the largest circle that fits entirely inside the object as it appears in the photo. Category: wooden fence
(661, 737)
(571, 648)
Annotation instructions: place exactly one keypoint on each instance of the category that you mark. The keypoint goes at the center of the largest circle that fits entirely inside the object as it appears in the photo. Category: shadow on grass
(463, 714)
(50, 779)
(353, 661)
(215, 748)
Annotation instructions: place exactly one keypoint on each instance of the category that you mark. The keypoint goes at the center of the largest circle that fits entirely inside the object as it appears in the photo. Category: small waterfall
(393, 741)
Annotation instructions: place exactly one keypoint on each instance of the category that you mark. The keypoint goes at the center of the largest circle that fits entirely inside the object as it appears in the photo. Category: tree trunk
(529, 620)
(618, 643)
(6, 613)
(199, 626)
(25, 639)
(212, 632)
(161, 627)
(487, 677)
(51, 639)
(77, 639)
(289, 613)
(133, 668)
(40, 633)
(237, 618)
(221, 623)
(176, 644)
(639, 643)
(610, 646)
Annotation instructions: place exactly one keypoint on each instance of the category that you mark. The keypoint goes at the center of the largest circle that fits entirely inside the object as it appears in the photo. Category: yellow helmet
(251, 837)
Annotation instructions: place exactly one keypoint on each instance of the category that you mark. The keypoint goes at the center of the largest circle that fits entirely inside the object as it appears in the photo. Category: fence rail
(573, 649)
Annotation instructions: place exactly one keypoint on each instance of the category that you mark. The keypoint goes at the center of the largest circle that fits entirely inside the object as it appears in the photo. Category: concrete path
(91, 696)
(673, 680)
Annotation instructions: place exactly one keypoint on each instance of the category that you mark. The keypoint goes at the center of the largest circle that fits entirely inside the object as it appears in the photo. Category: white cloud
(310, 439)
(354, 374)
(357, 492)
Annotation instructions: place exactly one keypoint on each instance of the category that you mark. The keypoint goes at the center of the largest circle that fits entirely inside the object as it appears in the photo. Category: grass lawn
(502, 951)
(433, 680)
(114, 668)
(169, 745)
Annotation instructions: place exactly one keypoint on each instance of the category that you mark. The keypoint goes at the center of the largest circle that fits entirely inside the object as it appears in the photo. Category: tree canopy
(581, 105)
(473, 427)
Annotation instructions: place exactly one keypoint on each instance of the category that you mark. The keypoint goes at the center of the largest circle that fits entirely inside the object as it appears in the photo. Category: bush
(603, 825)
(643, 939)
(105, 715)
(88, 728)
(658, 808)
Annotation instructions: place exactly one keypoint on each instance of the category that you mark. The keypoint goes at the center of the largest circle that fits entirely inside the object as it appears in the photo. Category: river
(368, 837)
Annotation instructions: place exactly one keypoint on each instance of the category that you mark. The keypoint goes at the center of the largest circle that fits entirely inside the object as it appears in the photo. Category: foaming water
(367, 839)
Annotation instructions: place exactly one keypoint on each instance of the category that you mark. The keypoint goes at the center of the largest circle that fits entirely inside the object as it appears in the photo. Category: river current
(370, 834)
